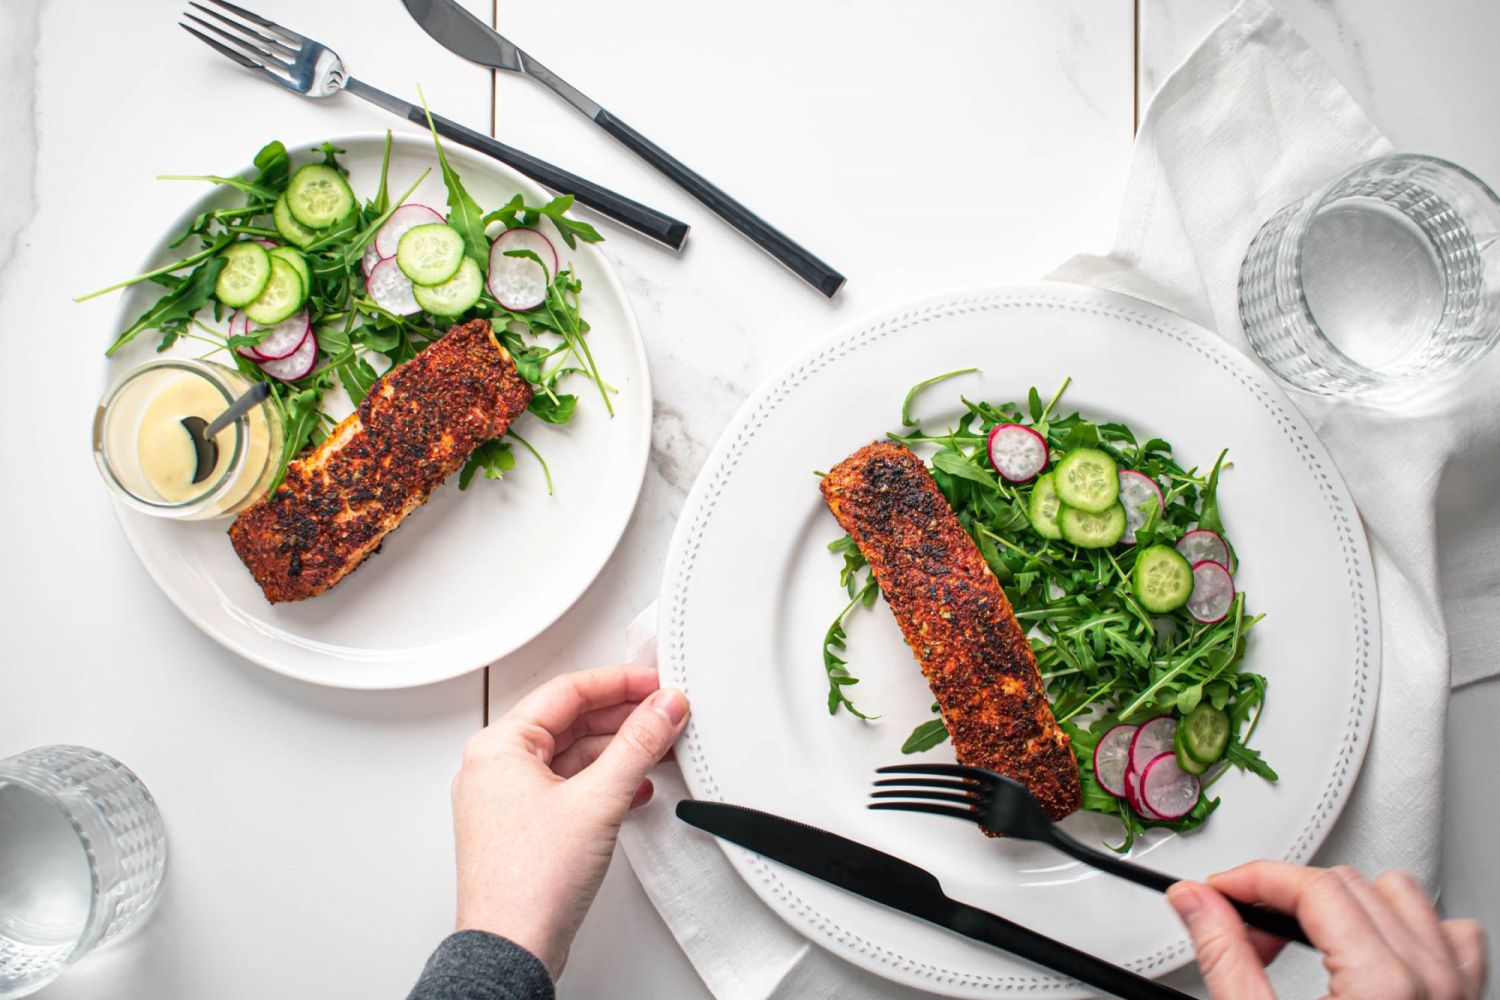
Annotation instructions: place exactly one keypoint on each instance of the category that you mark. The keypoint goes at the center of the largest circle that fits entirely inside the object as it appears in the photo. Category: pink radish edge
(1032, 468)
(1105, 759)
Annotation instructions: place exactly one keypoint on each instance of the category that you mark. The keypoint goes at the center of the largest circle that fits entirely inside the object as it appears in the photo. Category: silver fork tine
(238, 57)
(923, 807)
(243, 43)
(917, 793)
(264, 22)
(275, 43)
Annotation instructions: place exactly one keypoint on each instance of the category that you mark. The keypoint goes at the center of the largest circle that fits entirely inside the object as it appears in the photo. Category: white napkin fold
(1250, 122)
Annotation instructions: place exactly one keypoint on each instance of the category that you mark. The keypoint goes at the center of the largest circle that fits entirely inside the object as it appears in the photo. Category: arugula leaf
(1209, 518)
(957, 465)
(571, 230)
(494, 458)
(835, 641)
(554, 409)
(357, 376)
(464, 213)
(175, 310)
(907, 420)
(926, 736)
(273, 167)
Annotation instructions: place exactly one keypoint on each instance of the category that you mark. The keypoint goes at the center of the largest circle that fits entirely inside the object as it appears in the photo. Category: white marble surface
(917, 147)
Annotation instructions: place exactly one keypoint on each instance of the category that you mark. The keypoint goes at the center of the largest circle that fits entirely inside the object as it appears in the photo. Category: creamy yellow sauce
(165, 448)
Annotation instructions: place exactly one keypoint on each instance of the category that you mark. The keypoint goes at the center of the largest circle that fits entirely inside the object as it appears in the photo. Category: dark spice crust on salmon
(417, 426)
(957, 620)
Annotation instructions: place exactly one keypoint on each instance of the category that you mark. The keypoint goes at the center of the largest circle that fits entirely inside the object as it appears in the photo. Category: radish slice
(404, 218)
(391, 289)
(268, 244)
(1167, 790)
(1202, 544)
(281, 339)
(238, 323)
(1213, 592)
(518, 283)
(1112, 759)
(1133, 796)
(1017, 453)
(298, 364)
(1150, 739)
(370, 259)
(1137, 490)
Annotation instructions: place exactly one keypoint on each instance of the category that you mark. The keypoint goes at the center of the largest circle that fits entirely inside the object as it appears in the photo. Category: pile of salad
(307, 287)
(1115, 560)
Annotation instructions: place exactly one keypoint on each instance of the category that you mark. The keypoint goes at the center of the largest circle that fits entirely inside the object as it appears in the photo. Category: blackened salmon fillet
(957, 620)
(416, 427)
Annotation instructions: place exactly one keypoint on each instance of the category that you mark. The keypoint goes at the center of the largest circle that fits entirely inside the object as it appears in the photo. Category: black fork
(1003, 805)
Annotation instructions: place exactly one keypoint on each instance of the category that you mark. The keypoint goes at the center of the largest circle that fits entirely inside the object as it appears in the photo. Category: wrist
(531, 935)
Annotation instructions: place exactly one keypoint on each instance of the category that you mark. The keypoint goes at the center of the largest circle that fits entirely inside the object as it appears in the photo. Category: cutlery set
(974, 795)
(307, 67)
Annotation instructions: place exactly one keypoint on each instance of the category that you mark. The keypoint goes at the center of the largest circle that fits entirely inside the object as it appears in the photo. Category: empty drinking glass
(1389, 275)
(82, 850)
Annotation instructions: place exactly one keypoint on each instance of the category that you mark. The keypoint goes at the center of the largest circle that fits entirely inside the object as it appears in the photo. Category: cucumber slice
(1042, 509)
(1184, 759)
(298, 261)
(293, 231)
(1204, 733)
(283, 295)
(247, 268)
(1088, 480)
(430, 254)
(454, 296)
(319, 196)
(1088, 530)
(1162, 579)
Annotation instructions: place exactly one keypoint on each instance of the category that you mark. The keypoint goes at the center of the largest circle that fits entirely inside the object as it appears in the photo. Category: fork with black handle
(1003, 805)
(310, 68)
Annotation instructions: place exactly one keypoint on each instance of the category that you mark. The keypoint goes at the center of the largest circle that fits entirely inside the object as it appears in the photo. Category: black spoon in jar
(203, 432)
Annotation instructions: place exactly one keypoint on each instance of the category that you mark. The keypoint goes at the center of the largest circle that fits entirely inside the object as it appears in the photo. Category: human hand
(539, 799)
(1380, 940)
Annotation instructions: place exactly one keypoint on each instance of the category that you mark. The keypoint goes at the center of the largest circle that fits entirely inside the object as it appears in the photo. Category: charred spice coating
(417, 426)
(957, 620)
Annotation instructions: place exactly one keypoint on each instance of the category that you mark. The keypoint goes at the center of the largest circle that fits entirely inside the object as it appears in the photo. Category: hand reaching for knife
(1380, 940)
(539, 799)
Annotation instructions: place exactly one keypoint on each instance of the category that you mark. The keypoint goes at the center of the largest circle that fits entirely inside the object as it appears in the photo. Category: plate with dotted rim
(750, 588)
(468, 577)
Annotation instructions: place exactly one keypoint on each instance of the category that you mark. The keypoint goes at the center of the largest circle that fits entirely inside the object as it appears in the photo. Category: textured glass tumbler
(82, 851)
(1388, 276)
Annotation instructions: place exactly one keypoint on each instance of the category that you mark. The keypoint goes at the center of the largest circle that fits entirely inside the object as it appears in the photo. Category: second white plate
(750, 588)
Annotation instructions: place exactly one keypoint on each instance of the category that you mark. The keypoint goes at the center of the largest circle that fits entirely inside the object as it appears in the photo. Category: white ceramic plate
(749, 590)
(470, 576)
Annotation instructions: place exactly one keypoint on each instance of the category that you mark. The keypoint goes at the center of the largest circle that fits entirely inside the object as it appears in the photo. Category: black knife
(466, 35)
(903, 886)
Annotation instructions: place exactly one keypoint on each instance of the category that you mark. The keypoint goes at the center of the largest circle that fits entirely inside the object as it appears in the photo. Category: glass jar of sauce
(148, 457)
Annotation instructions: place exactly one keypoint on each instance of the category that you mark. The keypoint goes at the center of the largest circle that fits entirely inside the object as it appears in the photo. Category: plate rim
(697, 510)
(458, 667)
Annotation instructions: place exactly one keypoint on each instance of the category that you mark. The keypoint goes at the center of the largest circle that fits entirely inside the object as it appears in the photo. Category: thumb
(1231, 969)
(644, 738)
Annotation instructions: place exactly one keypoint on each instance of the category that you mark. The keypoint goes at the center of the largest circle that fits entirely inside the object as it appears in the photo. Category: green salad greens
(1105, 659)
(320, 240)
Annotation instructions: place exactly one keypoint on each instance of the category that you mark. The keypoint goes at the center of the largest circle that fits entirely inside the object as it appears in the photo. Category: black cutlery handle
(796, 257)
(1270, 921)
(1026, 943)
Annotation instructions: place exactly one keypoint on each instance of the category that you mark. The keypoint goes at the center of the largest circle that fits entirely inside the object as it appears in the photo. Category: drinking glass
(82, 850)
(1390, 275)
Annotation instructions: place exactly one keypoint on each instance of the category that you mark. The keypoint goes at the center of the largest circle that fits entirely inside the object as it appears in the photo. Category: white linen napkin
(1251, 121)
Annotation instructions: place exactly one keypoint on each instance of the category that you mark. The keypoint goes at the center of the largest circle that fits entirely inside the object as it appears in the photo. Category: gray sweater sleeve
(473, 965)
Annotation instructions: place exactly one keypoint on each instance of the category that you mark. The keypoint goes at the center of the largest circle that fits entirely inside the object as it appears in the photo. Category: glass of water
(1388, 276)
(82, 851)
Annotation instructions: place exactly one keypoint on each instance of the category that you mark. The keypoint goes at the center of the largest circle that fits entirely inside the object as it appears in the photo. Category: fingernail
(671, 704)
(1185, 899)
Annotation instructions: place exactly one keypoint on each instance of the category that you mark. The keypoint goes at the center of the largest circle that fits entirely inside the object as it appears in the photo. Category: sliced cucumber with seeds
(1185, 760)
(1088, 480)
(293, 231)
(319, 196)
(1042, 509)
(1162, 579)
(247, 268)
(454, 296)
(1089, 530)
(282, 296)
(430, 254)
(295, 258)
(1204, 733)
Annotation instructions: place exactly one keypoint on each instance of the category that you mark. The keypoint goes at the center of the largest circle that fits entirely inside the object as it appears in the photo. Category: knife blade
(463, 34)
(886, 879)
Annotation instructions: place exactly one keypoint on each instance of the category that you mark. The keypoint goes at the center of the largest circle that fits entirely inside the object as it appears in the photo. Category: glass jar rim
(208, 371)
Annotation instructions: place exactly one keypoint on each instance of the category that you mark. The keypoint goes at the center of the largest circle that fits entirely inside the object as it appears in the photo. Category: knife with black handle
(901, 885)
(466, 35)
